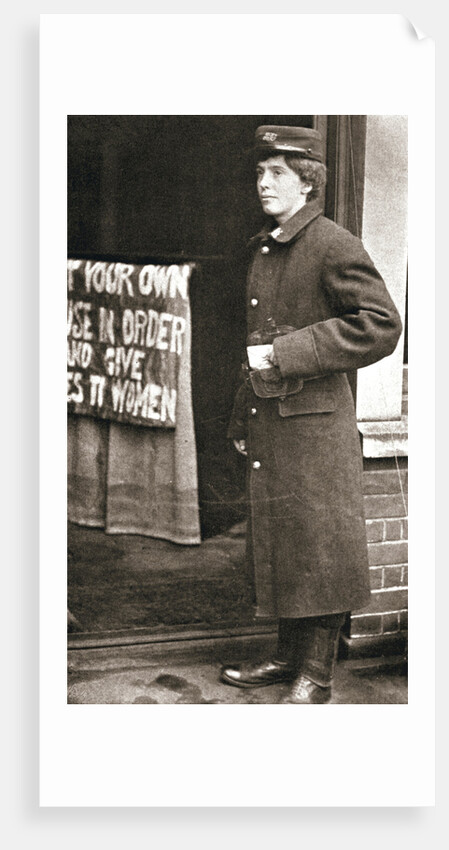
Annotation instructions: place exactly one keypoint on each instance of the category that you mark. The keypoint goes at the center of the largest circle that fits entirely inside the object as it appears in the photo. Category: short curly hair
(309, 170)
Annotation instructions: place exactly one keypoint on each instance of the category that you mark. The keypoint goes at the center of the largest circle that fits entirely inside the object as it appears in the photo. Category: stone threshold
(387, 652)
(134, 637)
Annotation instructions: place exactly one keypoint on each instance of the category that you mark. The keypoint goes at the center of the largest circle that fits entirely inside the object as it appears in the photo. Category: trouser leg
(288, 641)
(318, 646)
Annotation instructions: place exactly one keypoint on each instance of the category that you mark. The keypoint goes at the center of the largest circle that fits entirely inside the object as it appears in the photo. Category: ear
(306, 188)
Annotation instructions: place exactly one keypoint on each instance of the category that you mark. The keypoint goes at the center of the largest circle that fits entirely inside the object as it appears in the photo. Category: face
(281, 191)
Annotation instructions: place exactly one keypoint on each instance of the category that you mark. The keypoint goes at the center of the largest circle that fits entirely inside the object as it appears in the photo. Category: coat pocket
(316, 396)
(274, 389)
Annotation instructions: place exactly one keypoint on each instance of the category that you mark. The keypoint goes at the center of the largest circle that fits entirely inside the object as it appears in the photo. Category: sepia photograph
(237, 400)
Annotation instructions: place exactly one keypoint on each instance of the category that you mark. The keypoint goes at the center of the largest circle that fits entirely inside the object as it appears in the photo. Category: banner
(125, 336)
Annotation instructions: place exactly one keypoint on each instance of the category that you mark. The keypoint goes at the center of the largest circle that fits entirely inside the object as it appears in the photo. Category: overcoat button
(254, 302)
(265, 249)
(282, 398)
(253, 411)
(256, 464)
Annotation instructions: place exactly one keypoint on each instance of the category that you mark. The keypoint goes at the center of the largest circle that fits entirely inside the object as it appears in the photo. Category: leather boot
(312, 686)
(279, 669)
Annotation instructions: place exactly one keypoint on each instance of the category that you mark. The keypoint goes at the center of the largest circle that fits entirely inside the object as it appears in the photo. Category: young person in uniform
(320, 308)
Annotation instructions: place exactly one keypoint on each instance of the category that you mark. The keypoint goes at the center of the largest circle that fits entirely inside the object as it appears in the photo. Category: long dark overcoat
(306, 530)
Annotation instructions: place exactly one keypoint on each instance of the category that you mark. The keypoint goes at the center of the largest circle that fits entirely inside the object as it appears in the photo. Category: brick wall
(382, 625)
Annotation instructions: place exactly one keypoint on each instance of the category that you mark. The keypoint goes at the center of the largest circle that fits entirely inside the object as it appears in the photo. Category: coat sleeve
(364, 328)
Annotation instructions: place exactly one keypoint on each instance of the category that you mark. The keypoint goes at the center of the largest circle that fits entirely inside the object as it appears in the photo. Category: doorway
(174, 188)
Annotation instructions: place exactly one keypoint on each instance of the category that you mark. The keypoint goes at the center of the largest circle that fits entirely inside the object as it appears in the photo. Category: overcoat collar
(293, 226)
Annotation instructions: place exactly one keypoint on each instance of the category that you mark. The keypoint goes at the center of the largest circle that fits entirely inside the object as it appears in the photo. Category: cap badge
(270, 137)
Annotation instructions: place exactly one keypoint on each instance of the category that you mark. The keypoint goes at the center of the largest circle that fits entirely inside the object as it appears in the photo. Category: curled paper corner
(415, 31)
